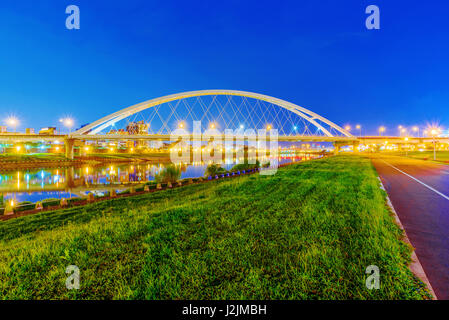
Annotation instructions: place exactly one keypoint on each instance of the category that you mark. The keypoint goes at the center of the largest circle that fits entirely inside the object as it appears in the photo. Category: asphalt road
(419, 191)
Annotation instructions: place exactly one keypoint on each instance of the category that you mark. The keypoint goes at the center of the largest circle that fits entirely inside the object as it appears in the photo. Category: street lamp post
(406, 150)
(360, 129)
(13, 122)
(67, 122)
(416, 129)
(403, 131)
(433, 133)
(381, 129)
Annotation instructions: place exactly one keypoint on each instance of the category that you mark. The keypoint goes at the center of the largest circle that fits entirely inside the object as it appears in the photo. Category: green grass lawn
(425, 155)
(440, 155)
(307, 232)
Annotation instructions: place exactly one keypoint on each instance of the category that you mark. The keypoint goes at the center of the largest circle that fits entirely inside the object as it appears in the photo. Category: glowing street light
(381, 130)
(67, 122)
(268, 127)
(359, 127)
(416, 129)
(348, 128)
(13, 122)
(403, 131)
(181, 125)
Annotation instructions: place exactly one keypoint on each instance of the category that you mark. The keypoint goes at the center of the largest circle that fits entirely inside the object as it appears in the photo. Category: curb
(414, 266)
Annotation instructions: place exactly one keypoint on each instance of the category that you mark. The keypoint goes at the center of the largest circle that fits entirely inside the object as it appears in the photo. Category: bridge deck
(21, 137)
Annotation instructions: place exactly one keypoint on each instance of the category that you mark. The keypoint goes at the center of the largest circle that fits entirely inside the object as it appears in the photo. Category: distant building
(29, 130)
(3, 129)
(155, 144)
(48, 130)
(138, 128)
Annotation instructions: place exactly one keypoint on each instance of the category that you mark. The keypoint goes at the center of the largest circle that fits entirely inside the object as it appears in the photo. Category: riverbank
(307, 232)
(47, 160)
(20, 161)
(131, 189)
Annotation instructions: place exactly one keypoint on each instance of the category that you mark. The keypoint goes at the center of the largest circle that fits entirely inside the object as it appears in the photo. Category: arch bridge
(158, 118)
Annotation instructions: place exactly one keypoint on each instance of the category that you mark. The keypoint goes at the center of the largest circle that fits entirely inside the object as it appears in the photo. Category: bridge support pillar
(355, 146)
(336, 148)
(69, 153)
(69, 174)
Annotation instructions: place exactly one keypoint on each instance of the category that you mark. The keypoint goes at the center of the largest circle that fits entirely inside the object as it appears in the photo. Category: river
(77, 181)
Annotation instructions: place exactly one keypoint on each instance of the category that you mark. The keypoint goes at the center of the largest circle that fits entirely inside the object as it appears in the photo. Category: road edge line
(419, 181)
(415, 265)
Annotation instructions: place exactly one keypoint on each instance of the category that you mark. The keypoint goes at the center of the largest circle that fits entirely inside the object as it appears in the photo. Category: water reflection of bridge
(79, 180)
(101, 177)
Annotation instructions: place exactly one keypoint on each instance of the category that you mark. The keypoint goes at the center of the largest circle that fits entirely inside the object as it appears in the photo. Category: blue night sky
(317, 54)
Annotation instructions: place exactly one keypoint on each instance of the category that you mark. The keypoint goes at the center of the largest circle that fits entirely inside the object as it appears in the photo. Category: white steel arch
(304, 113)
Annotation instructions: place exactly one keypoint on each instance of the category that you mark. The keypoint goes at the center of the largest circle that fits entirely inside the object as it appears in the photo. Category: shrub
(169, 174)
(213, 170)
(245, 166)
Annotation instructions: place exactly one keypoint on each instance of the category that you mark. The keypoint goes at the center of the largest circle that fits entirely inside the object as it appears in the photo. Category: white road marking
(425, 185)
